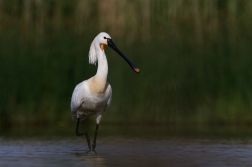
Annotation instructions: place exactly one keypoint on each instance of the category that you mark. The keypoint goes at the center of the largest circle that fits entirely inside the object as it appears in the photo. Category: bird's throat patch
(102, 46)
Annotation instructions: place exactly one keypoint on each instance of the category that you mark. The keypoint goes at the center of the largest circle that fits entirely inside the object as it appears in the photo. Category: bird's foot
(87, 136)
(89, 145)
(93, 146)
(88, 141)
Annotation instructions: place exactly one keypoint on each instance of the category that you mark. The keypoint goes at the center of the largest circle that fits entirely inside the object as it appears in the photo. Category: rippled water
(126, 151)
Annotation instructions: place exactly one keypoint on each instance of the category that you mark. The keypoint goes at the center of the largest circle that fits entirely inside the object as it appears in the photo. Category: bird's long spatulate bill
(113, 46)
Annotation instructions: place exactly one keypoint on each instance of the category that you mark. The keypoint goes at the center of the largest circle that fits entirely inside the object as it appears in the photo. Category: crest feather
(92, 54)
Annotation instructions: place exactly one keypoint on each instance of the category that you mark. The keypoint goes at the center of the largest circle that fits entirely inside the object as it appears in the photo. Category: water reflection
(127, 150)
(91, 158)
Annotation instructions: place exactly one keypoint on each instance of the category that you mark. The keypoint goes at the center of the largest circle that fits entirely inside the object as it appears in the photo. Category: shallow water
(128, 150)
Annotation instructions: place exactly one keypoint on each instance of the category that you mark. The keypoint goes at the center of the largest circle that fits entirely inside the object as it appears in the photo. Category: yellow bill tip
(137, 70)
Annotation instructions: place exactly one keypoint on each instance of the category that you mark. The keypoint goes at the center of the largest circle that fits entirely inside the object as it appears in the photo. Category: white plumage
(93, 96)
(86, 102)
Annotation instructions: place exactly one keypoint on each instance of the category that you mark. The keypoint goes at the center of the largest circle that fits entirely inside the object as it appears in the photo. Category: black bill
(113, 46)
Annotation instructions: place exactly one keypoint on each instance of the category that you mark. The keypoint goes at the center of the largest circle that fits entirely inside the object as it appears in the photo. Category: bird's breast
(94, 104)
(96, 100)
(97, 86)
(87, 101)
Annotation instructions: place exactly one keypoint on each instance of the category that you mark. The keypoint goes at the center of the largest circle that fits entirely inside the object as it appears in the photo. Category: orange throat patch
(102, 46)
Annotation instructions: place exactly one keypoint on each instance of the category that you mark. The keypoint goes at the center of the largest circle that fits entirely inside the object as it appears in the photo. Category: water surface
(127, 150)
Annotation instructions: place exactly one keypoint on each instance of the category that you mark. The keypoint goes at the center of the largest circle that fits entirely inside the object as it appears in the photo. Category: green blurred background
(194, 55)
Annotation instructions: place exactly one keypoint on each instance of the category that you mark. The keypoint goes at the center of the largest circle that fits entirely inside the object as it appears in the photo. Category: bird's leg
(82, 133)
(94, 142)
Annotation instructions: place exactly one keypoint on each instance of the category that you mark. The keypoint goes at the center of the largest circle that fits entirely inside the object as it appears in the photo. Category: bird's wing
(110, 97)
(76, 100)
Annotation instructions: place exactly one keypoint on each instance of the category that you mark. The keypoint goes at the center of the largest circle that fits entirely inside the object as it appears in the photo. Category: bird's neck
(102, 70)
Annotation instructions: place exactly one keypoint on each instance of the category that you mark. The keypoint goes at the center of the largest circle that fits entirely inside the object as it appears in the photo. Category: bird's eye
(104, 37)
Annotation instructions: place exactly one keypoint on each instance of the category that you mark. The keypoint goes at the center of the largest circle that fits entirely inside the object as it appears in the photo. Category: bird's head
(104, 39)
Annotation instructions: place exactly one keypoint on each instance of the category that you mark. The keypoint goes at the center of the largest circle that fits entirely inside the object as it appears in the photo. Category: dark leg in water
(82, 133)
(94, 142)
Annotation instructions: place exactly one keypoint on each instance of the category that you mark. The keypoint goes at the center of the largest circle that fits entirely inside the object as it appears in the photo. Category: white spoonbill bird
(93, 96)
